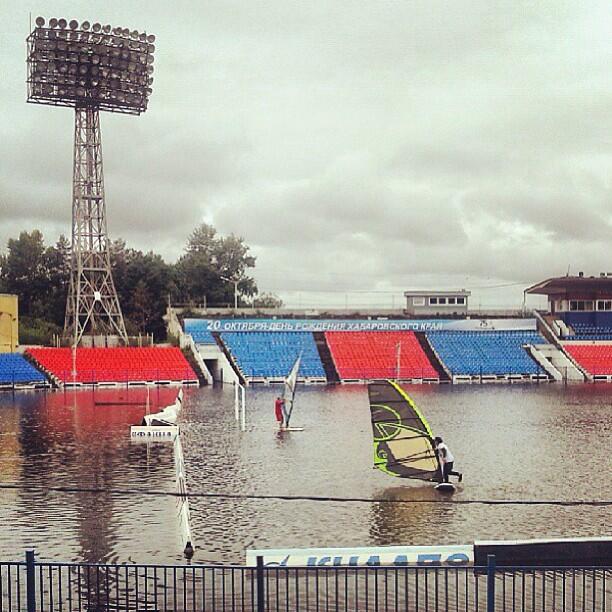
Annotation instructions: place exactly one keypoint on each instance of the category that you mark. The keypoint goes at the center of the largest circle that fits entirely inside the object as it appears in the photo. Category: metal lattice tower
(93, 306)
(90, 67)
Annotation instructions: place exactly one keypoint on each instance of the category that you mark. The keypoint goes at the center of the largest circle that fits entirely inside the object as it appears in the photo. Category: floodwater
(520, 442)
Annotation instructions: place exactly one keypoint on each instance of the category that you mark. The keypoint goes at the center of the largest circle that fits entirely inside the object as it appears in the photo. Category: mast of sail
(403, 440)
(290, 384)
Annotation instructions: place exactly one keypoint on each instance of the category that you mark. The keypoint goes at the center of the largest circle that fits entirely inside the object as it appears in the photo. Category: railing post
(490, 583)
(30, 581)
(261, 595)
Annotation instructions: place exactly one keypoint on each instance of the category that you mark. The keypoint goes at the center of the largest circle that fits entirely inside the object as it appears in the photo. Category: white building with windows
(437, 303)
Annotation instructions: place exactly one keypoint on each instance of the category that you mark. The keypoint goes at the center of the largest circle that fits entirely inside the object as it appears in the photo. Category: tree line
(204, 274)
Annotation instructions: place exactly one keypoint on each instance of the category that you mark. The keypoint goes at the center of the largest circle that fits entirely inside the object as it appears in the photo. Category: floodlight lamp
(142, 37)
(62, 23)
(134, 34)
(96, 27)
(151, 38)
(151, 48)
(74, 24)
(40, 22)
(125, 32)
(53, 22)
(106, 29)
(85, 25)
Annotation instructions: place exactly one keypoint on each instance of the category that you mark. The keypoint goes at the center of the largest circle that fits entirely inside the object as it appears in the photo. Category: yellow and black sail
(403, 441)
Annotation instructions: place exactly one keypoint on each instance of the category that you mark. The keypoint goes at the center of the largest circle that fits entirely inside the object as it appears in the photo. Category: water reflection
(518, 442)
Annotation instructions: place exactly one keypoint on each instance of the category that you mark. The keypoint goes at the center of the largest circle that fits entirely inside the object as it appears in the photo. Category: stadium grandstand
(161, 365)
(595, 358)
(198, 329)
(269, 356)
(16, 371)
(486, 353)
(359, 350)
(378, 355)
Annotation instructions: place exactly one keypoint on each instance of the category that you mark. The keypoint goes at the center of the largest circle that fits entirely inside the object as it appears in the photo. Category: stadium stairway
(230, 358)
(326, 358)
(433, 358)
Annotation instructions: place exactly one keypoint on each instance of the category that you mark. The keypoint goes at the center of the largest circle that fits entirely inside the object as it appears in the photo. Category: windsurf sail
(289, 392)
(403, 441)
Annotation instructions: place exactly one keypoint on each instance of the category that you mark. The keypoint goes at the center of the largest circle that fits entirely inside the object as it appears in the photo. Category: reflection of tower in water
(80, 439)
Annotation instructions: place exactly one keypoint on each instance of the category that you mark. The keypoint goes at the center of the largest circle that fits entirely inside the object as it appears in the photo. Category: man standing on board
(279, 412)
(446, 460)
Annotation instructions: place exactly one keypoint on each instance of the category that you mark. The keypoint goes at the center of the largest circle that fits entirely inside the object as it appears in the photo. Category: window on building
(604, 305)
(418, 301)
(460, 300)
(451, 300)
(442, 301)
(433, 301)
(581, 305)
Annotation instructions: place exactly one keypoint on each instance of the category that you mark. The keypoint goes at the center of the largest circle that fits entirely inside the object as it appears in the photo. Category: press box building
(437, 303)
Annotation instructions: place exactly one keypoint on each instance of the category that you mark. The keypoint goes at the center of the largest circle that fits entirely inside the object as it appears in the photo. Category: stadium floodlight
(129, 53)
(90, 68)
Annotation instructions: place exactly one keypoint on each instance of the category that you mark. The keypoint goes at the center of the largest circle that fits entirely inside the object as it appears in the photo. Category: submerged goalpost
(240, 405)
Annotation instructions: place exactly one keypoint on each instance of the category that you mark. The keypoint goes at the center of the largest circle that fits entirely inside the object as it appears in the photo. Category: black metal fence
(32, 586)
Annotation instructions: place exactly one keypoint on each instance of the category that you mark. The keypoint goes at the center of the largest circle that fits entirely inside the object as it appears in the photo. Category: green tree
(143, 282)
(23, 270)
(210, 265)
(267, 300)
(57, 272)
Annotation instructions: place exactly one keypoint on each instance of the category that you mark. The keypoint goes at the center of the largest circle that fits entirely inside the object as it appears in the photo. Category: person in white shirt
(446, 460)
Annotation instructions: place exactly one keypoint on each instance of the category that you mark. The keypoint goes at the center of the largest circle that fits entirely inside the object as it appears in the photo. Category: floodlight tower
(90, 68)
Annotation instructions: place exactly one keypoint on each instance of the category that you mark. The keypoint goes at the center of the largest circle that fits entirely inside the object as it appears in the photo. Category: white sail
(289, 393)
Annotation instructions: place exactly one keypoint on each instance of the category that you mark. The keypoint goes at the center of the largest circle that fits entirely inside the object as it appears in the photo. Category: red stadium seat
(119, 365)
(374, 355)
(596, 359)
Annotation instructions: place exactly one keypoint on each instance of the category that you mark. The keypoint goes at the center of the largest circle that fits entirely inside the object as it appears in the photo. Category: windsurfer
(279, 412)
(446, 460)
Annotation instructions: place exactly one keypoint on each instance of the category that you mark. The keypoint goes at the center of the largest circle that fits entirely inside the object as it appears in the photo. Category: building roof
(460, 292)
(566, 285)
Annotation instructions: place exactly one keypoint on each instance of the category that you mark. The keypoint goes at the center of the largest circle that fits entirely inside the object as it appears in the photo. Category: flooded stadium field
(520, 443)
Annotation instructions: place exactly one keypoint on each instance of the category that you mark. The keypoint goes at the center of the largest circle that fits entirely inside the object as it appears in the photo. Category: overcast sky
(375, 146)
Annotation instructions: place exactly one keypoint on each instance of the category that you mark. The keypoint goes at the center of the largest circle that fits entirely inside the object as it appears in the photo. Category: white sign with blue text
(417, 556)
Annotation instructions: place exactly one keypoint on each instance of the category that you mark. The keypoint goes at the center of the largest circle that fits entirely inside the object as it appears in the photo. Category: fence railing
(32, 586)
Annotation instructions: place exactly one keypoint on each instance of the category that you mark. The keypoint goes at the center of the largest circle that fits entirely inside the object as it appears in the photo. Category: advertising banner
(417, 556)
(357, 325)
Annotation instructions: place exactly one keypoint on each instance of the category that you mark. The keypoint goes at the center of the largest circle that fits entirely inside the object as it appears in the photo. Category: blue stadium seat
(14, 368)
(486, 353)
(272, 354)
(588, 331)
(199, 331)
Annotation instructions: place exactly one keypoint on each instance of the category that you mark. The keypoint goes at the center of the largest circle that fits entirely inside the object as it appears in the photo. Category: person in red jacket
(279, 412)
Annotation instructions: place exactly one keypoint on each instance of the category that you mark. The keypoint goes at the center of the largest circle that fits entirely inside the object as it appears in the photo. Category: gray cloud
(354, 145)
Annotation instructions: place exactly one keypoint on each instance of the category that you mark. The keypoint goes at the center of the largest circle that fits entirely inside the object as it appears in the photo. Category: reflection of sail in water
(403, 441)
(184, 515)
(394, 520)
